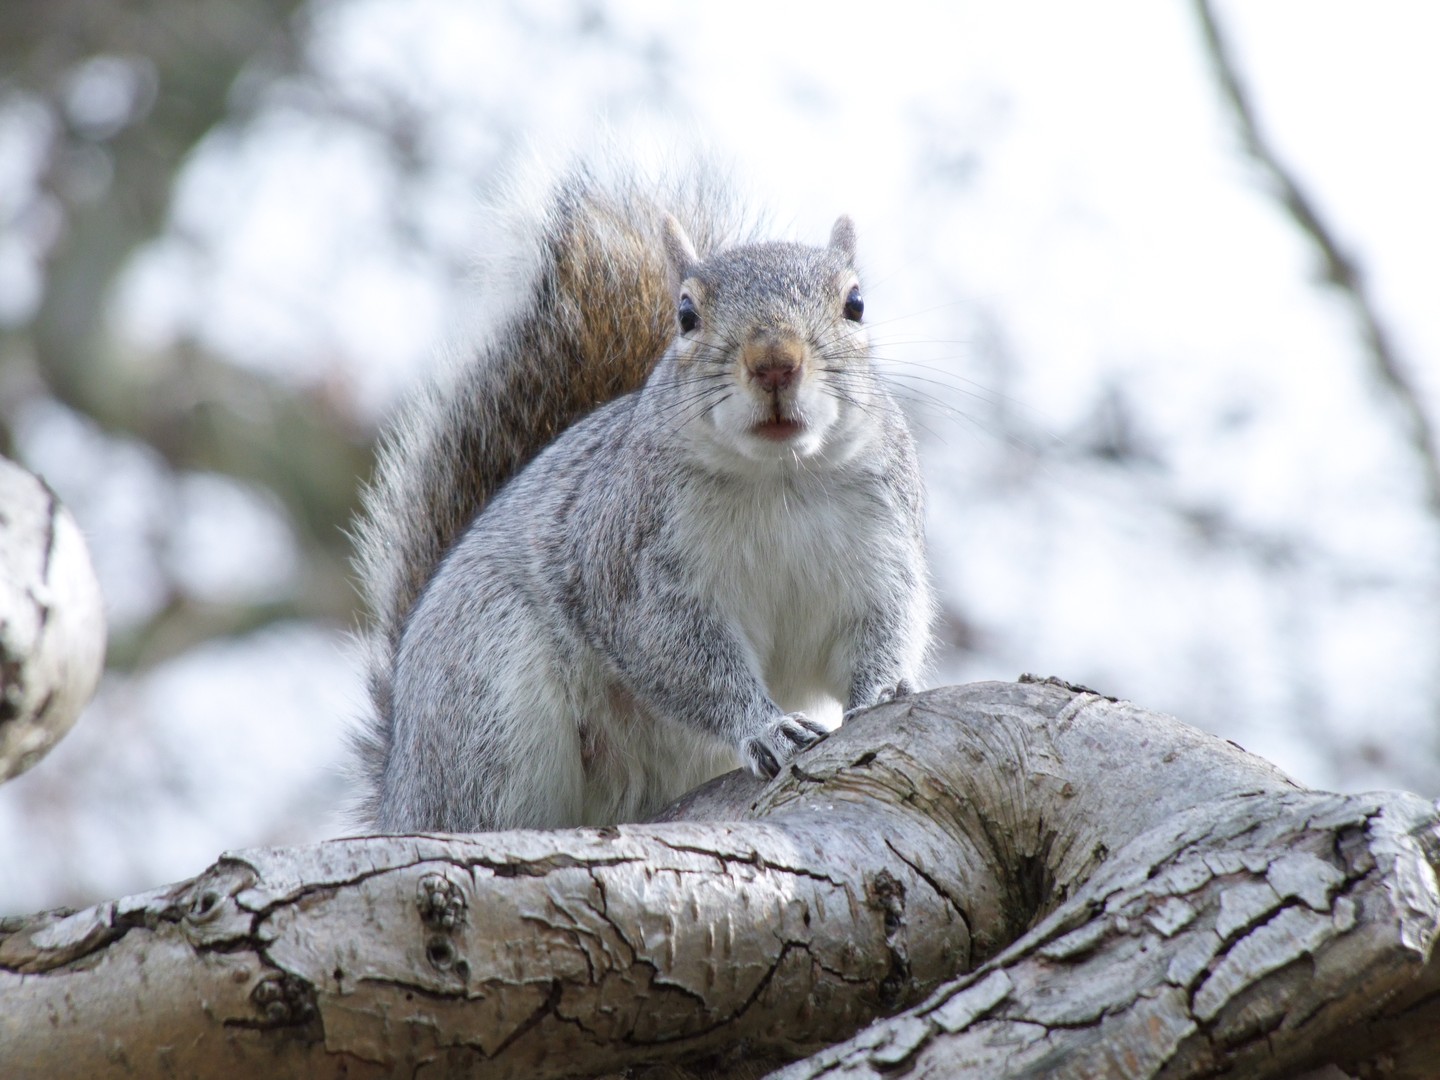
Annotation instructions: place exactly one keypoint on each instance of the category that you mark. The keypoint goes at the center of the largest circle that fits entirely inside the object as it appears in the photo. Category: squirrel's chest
(794, 569)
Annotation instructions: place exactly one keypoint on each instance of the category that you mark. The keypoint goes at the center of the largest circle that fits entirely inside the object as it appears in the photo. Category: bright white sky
(1050, 204)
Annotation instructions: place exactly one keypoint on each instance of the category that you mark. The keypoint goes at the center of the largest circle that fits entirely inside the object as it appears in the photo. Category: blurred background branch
(1339, 267)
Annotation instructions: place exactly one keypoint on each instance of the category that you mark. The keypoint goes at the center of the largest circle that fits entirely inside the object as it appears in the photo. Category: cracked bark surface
(1228, 940)
(52, 626)
(1129, 897)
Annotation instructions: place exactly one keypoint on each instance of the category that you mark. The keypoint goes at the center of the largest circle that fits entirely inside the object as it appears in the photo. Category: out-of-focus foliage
(102, 104)
(1161, 458)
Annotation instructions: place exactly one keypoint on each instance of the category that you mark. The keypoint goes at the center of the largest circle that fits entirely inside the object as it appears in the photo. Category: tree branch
(1186, 900)
(52, 622)
(1225, 940)
(1340, 268)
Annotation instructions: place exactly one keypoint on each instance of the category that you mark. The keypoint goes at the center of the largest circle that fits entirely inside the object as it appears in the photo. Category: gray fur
(659, 593)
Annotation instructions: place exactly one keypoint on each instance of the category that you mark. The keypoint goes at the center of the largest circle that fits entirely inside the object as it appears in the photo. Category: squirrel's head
(772, 337)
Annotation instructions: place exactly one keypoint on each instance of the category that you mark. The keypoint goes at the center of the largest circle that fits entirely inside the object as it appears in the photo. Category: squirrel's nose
(776, 375)
(774, 365)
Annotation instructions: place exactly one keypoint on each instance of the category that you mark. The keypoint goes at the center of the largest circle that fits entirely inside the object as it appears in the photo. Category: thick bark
(52, 626)
(1175, 905)
(1258, 937)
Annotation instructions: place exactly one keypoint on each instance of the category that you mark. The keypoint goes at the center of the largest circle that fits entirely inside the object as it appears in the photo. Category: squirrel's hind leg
(484, 734)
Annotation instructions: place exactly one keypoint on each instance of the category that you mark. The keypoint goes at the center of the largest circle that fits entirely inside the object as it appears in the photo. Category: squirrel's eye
(854, 306)
(689, 317)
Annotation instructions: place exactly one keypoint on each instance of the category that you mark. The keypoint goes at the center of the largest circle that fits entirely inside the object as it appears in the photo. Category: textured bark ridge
(1118, 894)
(1219, 942)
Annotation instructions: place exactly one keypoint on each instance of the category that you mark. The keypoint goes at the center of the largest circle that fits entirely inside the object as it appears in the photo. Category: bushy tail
(573, 309)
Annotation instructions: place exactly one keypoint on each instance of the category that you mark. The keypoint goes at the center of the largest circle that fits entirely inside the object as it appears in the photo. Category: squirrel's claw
(785, 737)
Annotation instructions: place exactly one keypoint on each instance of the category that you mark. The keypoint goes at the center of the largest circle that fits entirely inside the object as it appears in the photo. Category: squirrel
(663, 507)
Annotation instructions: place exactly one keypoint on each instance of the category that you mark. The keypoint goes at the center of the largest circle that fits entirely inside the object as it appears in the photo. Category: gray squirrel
(662, 508)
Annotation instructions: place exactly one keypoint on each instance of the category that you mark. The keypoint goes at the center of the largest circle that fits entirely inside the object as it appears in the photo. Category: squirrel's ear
(842, 238)
(679, 251)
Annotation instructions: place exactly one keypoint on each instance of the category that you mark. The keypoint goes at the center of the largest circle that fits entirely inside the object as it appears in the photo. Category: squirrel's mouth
(778, 429)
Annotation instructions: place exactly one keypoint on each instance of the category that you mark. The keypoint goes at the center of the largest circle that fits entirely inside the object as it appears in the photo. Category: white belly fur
(793, 580)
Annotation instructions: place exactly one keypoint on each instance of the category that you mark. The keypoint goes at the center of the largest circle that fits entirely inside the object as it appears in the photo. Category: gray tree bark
(1118, 894)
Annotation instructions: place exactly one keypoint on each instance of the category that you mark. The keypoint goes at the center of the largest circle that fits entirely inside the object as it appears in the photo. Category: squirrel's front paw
(781, 740)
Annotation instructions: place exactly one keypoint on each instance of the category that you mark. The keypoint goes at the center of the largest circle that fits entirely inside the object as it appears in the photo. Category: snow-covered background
(1160, 461)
